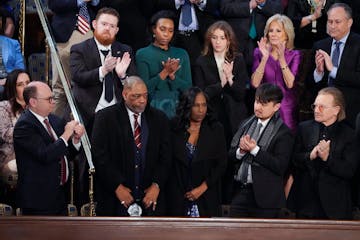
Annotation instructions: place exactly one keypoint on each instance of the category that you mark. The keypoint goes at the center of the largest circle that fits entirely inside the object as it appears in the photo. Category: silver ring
(155, 203)
(122, 202)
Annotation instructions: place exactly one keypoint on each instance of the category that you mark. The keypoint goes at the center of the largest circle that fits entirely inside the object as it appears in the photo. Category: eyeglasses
(320, 107)
(50, 99)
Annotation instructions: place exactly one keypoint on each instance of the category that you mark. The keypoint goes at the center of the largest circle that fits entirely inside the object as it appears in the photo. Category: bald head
(39, 98)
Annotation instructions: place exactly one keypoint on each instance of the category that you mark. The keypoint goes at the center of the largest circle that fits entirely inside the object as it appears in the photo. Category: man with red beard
(99, 66)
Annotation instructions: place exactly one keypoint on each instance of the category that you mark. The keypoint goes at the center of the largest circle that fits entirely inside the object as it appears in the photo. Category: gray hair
(129, 82)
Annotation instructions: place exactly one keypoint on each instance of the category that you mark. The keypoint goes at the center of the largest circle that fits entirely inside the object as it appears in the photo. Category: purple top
(273, 74)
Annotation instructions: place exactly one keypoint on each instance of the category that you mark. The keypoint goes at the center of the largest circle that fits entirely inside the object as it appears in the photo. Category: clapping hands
(264, 47)
(171, 65)
(120, 64)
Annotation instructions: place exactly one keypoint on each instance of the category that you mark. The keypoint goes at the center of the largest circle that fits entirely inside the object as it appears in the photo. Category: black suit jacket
(237, 13)
(208, 165)
(330, 180)
(348, 74)
(113, 153)
(37, 158)
(269, 166)
(85, 63)
(228, 100)
(64, 21)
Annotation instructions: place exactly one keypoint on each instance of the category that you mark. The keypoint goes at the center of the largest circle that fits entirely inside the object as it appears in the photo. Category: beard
(104, 39)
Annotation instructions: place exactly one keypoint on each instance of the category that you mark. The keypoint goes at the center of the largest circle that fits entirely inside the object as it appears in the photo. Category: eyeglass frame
(50, 99)
(321, 107)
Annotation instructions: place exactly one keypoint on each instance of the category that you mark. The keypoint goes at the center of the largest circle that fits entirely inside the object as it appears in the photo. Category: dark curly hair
(183, 110)
(168, 14)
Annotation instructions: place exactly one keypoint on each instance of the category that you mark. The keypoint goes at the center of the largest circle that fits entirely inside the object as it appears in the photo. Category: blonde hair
(287, 25)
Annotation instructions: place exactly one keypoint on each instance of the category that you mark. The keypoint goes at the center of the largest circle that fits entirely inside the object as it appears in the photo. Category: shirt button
(136, 166)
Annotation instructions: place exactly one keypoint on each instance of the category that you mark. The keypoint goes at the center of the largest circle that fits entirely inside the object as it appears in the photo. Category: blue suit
(11, 53)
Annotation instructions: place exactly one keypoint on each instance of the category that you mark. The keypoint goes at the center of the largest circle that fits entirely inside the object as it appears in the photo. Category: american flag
(83, 21)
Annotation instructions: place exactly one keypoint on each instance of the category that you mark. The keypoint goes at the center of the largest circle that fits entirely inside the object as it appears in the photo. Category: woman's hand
(195, 193)
(228, 72)
(264, 47)
(280, 50)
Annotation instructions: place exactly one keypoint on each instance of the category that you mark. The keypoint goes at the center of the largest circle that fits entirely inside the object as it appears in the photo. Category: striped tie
(63, 168)
(137, 131)
(83, 21)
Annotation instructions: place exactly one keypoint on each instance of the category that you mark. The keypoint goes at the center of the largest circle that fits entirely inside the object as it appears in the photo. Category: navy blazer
(37, 158)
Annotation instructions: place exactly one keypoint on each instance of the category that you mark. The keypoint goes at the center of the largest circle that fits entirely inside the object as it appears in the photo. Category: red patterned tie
(137, 131)
(62, 160)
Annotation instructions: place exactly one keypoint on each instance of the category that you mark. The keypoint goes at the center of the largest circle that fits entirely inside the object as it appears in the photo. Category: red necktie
(62, 160)
(137, 132)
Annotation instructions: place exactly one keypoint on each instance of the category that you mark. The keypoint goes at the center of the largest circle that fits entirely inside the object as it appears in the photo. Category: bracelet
(285, 67)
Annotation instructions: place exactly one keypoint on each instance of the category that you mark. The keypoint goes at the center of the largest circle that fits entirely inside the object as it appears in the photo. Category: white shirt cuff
(255, 151)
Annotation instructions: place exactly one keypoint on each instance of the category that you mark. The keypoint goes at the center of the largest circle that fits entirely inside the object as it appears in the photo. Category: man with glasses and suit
(325, 159)
(42, 143)
(337, 58)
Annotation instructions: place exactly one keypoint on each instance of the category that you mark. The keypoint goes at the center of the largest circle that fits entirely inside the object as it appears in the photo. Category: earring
(154, 35)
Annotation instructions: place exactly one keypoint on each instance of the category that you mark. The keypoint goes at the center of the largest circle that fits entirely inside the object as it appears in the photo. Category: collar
(343, 40)
(264, 123)
(102, 47)
(131, 113)
(40, 118)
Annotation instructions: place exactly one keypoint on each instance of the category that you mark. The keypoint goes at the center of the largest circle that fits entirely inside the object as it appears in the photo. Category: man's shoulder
(307, 123)
(122, 46)
(323, 42)
(353, 39)
(155, 113)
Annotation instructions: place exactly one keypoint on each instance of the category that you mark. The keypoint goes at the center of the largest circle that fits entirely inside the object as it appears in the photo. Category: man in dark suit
(67, 31)
(41, 146)
(248, 19)
(337, 58)
(261, 149)
(98, 67)
(131, 164)
(325, 158)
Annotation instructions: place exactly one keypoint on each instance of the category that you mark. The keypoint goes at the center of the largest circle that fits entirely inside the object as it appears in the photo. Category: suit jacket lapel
(314, 137)
(92, 45)
(39, 125)
(346, 54)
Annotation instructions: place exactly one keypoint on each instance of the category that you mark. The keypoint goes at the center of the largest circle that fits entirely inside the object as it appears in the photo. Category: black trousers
(243, 204)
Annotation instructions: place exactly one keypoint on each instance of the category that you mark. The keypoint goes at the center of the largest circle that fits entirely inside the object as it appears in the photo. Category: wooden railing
(100, 228)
